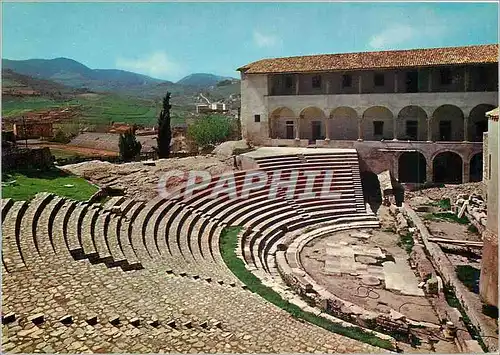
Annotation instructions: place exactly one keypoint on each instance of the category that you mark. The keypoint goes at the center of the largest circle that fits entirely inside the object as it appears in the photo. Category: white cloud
(157, 65)
(265, 40)
(395, 34)
(405, 33)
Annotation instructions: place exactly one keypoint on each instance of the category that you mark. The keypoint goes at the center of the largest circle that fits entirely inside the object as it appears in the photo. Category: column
(429, 171)
(429, 88)
(466, 129)
(395, 165)
(396, 82)
(429, 129)
(394, 128)
(466, 79)
(327, 85)
(297, 127)
(327, 129)
(465, 172)
(360, 133)
(297, 84)
(360, 83)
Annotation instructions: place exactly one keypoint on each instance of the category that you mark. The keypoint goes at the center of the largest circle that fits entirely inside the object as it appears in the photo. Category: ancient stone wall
(22, 157)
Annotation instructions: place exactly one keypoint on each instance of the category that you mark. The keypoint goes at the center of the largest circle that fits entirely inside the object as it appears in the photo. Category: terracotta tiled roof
(376, 60)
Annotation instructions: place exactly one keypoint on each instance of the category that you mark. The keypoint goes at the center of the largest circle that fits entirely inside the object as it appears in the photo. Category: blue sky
(171, 40)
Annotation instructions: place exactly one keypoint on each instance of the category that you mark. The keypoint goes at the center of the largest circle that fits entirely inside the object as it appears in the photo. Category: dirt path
(75, 149)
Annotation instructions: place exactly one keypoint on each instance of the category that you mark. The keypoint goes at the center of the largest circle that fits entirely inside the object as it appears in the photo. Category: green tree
(164, 129)
(129, 146)
(210, 130)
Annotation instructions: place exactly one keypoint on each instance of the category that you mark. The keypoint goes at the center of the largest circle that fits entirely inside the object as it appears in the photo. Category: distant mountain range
(203, 79)
(74, 74)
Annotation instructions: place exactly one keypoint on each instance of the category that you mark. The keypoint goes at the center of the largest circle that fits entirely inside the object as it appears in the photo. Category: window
(412, 129)
(288, 81)
(446, 77)
(316, 81)
(378, 79)
(256, 118)
(445, 130)
(378, 128)
(346, 81)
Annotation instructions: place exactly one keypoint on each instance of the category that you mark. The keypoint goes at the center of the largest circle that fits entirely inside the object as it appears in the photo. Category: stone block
(91, 319)
(135, 321)
(37, 318)
(8, 318)
(432, 286)
(114, 320)
(154, 321)
(66, 320)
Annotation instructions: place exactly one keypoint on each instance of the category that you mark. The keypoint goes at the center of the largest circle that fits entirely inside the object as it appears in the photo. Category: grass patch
(473, 229)
(406, 242)
(23, 185)
(446, 216)
(65, 153)
(228, 244)
(469, 276)
(444, 204)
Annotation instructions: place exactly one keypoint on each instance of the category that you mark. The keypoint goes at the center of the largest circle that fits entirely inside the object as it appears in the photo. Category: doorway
(289, 130)
(316, 130)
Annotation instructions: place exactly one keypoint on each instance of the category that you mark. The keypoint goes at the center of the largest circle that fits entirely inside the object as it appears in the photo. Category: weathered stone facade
(323, 108)
(488, 286)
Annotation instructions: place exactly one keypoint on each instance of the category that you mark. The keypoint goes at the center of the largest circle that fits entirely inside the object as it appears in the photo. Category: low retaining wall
(447, 272)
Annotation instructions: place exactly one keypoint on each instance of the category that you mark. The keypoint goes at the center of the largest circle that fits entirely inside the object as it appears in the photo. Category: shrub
(129, 146)
(61, 137)
(210, 130)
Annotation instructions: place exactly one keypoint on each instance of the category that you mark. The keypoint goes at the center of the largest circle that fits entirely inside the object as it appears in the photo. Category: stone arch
(447, 167)
(312, 123)
(378, 114)
(406, 123)
(343, 124)
(476, 167)
(279, 123)
(478, 123)
(447, 123)
(412, 167)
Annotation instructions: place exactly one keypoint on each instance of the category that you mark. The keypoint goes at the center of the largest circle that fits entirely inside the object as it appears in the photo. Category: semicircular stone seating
(134, 276)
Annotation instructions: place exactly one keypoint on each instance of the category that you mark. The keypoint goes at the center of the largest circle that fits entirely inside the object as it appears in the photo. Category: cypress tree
(164, 130)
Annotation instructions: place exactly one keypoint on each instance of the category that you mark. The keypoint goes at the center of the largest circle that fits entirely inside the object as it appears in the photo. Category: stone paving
(139, 277)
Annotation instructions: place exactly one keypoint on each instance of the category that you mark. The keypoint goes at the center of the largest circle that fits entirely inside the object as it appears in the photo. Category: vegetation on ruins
(446, 216)
(164, 129)
(406, 242)
(469, 276)
(210, 130)
(23, 185)
(452, 300)
(130, 148)
(228, 245)
(65, 132)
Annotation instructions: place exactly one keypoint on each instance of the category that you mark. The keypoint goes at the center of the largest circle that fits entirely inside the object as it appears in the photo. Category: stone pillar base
(488, 283)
